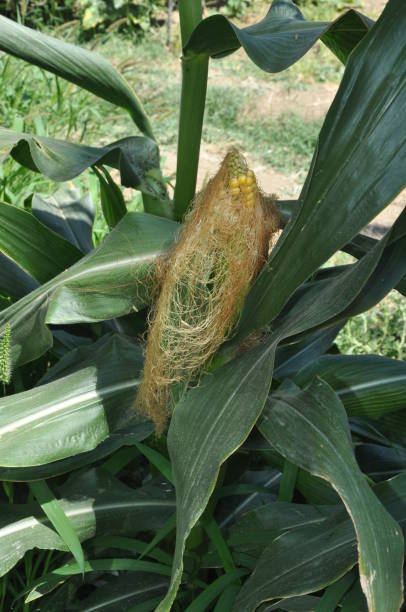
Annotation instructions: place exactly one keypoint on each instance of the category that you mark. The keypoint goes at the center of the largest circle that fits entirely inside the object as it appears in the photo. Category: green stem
(193, 99)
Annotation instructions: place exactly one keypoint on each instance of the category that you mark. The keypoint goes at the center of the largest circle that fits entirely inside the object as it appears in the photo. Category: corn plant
(278, 483)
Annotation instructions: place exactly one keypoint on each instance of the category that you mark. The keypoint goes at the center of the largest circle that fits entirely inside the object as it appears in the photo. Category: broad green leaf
(363, 130)
(209, 423)
(256, 529)
(68, 214)
(310, 429)
(308, 557)
(13, 280)
(55, 513)
(127, 436)
(107, 283)
(37, 250)
(356, 288)
(135, 157)
(73, 414)
(80, 66)
(290, 358)
(280, 39)
(367, 385)
(118, 593)
(95, 503)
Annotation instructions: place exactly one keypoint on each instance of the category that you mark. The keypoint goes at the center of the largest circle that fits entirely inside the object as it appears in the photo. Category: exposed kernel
(250, 197)
(234, 183)
(242, 179)
(250, 180)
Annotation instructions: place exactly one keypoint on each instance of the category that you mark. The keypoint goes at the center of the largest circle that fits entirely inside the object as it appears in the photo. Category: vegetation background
(245, 106)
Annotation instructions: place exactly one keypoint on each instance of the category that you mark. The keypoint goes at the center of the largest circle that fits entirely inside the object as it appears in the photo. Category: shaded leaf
(367, 385)
(107, 283)
(95, 503)
(310, 429)
(209, 423)
(38, 251)
(363, 130)
(55, 513)
(68, 214)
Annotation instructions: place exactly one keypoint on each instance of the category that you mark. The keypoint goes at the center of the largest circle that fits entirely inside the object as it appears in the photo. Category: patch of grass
(286, 142)
(381, 330)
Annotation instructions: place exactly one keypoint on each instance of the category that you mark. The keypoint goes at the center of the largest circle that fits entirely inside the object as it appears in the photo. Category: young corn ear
(223, 244)
(5, 360)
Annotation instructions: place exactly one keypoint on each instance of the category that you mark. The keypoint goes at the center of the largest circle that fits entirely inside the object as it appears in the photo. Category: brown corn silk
(223, 244)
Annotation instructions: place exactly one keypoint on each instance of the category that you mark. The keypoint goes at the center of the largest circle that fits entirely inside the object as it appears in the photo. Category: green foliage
(280, 481)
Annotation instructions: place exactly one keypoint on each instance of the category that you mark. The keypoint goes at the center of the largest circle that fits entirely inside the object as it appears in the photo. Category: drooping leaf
(308, 557)
(280, 39)
(135, 157)
(347, 291)
(37, 250)
(364, 130)
(73, 414)
(292, 357)
(13, 280)
(310, 429)
(368, 385)
(109, 282)
(68, 214)
(80, 66)
(55, 513)
(95, 503)
(209, 423)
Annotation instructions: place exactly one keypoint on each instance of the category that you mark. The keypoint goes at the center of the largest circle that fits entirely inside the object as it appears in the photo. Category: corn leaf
(68, 214)
(80, 66)
(134, 156)
(364, 130)
(55, 513)
(310, 429)
(367, 385)
(280, 39)
(94, 502)
(208, 425)
(73, 414)
(37, 250)
(107, 283)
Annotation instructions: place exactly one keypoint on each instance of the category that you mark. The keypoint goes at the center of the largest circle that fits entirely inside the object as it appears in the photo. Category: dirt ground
(312, 103)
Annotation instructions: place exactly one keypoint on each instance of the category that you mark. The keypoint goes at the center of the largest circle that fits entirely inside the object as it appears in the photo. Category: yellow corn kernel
(244, 189)
(242, 179)
(235, 192)
(250, 197)
(234, 183)
(250, 180)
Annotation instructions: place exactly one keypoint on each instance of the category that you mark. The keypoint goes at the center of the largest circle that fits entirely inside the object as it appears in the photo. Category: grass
(243, 108)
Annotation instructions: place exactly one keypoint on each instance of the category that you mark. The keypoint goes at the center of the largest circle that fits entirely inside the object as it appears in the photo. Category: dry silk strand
(223, 244)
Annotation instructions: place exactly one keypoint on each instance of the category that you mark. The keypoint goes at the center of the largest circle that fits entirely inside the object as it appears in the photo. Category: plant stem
(193, 99)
